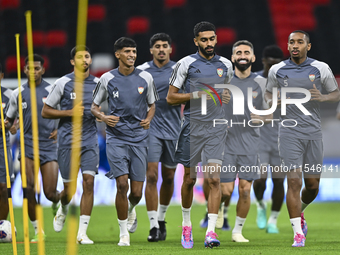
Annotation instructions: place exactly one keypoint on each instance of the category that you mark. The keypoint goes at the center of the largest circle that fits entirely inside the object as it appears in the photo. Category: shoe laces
(186, 233)
(298, 238)
(212, 234)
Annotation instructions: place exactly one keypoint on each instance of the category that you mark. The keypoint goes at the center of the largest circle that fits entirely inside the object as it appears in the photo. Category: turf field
(322, 218)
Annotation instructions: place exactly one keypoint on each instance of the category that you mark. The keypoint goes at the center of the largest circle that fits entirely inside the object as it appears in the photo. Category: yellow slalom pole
(23, 158)
(35, 134)
(8, 180)
(77, 129)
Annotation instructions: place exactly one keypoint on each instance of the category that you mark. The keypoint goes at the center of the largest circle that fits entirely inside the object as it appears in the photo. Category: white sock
(123, 228)
(225, 212)
(273, 217)
(260, 204)
(84, 221)
(296, 224)
(162, 211)
(239, 222)
(64, 209)
(212, 217)
(186, 217)
(153, 219)
(303, 206)
(131, 206)
(35, 226)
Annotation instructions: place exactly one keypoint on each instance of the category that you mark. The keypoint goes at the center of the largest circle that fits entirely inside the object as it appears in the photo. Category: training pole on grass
(8, 179)
(77, 122)
(23, 158)
(35, 133)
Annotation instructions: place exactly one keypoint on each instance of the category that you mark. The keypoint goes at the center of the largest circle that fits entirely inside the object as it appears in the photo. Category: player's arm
(146, 122)
(110, 120)
(12, 110)
(49, 112)
(331, 97)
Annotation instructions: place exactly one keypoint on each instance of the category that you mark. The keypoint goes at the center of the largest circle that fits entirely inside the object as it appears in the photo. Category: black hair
(160, 37)
(79, 48)
(203, 26)
(124, 42)
(36, 58)
(272, 51)
(302, 32)
(242, 42)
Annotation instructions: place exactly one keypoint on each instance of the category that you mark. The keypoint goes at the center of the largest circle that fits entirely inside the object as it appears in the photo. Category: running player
(269, 155)
(164, 131)
(193, 74)
(300, 146)
(63, 94)
(131, 96)
(47, 135)
(4, 209)
(242, 143)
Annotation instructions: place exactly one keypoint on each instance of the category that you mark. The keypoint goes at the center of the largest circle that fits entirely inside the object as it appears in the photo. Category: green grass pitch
(322, 218)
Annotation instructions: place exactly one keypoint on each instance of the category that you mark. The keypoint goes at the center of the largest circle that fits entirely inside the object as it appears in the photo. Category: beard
(205, 53)
(242, 67)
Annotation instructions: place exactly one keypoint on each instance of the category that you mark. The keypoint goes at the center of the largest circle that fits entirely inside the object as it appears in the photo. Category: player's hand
(270, 103)
(226, 96)
(110, 120)
(13, 129)
(78, 109)
(7, 125)
(316, 94)
(54, 135)
(256, 119)
(200, 93)
(145, 123)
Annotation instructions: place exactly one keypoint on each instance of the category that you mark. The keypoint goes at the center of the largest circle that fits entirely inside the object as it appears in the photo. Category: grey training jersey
(195, 73)
(5, 96)
(166, 123)
(288, 74)
(45, 126)
(128, 97)
(63, 93)
(243, 139)
(269, 132)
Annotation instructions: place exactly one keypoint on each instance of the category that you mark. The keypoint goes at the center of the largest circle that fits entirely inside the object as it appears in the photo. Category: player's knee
(244, 192)
(151, 178)
(136, 194)
(190, 182)
(278, 183)
(88, 184)
(168, 178)
(214, 182)
(312, 186)
(122, 186)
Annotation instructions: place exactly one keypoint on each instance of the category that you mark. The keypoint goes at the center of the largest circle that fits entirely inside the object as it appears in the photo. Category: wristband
(195, 95)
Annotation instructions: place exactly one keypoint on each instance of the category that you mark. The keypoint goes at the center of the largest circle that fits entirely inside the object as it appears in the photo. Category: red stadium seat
(38, 39)
(225, 36)
(138, 25)
(11, 64)
(9, 4)
(56, 38)
(174, 3)
(96, 12)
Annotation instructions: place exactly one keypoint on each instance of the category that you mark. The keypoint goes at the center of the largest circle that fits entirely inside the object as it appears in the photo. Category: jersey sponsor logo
(312, 77)
(44, 99)
(285, 81)
(219, 72)
(24, 105)
(255, 93)
(115, 92)
(140, 90)
(73, 95)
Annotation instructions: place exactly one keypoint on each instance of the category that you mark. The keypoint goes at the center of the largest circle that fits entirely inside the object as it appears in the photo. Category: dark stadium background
(263, 22)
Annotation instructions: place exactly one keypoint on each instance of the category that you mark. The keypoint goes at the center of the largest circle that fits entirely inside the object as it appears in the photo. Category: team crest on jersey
(24, 105)
(115, 92)
(255, 93)
(3, 105)
(312, 77)
(220, 72)
(140, 90)
(44, 99)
